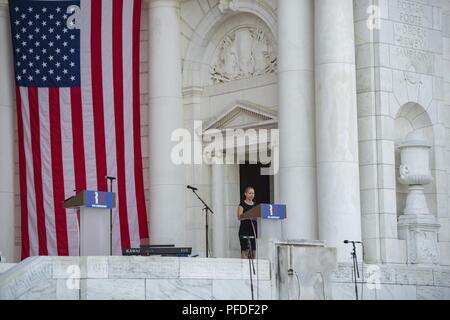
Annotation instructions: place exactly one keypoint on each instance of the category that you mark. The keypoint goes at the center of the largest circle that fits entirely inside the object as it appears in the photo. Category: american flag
(77, 89)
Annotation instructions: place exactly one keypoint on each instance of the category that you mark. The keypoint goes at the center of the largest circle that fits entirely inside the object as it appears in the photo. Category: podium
(94, 223)
(268, 214)
(266, 211)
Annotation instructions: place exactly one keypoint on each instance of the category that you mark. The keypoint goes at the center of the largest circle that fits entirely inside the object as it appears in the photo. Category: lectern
(267, 228)
(94, 223)
(266, 211)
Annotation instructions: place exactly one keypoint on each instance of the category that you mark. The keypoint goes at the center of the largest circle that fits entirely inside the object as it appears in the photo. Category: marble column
(167, 179)
(7, 110)
(219, 229)
(336, 125)
(296, 117)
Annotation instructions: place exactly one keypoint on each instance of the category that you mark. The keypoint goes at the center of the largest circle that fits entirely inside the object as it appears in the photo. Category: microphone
(192, 188)
(110, 178)
(351, 241)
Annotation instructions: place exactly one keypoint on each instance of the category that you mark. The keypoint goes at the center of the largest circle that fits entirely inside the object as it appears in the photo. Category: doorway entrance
(250, 175)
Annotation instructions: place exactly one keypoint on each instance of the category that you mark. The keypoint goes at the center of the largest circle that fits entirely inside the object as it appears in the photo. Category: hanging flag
(77, 89)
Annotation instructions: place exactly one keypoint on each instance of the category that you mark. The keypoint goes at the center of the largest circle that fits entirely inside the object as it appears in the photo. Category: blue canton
(46, 43)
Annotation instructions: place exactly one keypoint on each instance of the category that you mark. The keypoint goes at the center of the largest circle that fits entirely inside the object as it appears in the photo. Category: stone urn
(417, 225)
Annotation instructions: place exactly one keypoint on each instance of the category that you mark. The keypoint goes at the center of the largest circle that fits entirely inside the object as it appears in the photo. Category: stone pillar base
(302, 268)
(420, 233)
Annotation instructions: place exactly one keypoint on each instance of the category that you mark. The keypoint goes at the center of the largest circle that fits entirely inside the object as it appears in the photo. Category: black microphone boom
(351, 241)
(207, 209)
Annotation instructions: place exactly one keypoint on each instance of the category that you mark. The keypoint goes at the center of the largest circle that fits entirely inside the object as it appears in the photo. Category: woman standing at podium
(248, 227)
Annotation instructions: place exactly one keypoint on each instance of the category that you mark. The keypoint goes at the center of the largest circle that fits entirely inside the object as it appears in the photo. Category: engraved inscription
(409, 36)
(412, 37)
(412, 60)
(411, 12)
(414, 55)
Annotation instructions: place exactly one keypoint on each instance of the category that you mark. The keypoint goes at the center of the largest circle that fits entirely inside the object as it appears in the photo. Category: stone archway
(214, 27)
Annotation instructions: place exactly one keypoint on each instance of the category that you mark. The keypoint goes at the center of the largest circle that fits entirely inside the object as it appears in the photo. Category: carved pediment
(244, 115)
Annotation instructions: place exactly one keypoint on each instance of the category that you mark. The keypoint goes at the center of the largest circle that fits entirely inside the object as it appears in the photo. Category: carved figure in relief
(244, 53)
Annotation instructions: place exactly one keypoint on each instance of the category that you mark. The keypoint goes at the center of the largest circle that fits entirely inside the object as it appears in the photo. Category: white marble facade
(135, 278)
(344, 81)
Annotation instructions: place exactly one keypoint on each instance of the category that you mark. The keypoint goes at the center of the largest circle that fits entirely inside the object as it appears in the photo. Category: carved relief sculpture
(246, 52)
(225, 5)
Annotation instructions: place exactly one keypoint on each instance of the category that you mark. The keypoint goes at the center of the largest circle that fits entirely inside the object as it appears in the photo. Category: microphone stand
(111, 179)
(207, 209)
(355, 268)
(251, 265)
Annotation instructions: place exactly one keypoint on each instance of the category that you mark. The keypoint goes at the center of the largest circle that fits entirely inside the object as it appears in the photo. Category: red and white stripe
(71, 138)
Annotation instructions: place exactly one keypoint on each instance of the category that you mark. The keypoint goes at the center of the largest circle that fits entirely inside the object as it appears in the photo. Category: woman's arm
(240, 211)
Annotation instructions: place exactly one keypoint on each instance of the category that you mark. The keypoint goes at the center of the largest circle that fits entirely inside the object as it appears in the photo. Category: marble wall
(156, 278)
(392, 282)
(445, 223)
(400, 45)
(135, 278)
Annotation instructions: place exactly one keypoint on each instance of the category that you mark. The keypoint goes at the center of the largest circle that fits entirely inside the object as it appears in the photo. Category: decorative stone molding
(417, 225)
(249, 123)
(243, 53)
(227, 5)
(244, 115)
(201, 50)
(412, 77)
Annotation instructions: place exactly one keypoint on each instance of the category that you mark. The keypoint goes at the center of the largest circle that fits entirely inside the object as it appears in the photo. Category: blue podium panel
(274, 211)
(99, 199)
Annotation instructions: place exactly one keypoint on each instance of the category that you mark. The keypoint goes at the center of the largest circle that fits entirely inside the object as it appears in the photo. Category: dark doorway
(250, 175)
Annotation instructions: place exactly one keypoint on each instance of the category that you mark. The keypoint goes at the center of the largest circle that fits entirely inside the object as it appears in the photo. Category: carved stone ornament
(423, 246)
(417, 225)
(225, 5)
(244, 53)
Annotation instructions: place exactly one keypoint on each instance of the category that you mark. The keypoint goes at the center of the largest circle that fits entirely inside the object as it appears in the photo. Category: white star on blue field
(46, 47)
